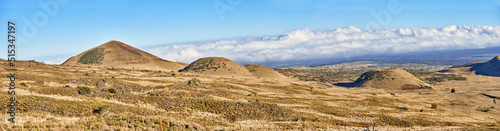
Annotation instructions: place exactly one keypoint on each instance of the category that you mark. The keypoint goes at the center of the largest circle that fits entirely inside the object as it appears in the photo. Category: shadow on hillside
(348, 85)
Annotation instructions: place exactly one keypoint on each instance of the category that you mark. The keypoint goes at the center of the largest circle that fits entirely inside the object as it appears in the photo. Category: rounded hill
(216, 66)
(390, 79)
(120, 55)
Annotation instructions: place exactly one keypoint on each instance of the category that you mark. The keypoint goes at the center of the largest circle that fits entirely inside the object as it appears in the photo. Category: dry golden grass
(140, 98)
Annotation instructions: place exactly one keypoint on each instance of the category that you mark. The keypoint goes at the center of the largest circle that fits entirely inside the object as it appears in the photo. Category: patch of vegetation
(193, 82)
(402, 108)
(409, 87)
(112, 90)
(453, 90)
(232, 111)
(205, 64)
(322, 75)
(24, 84)
(484, 109)
(83, 90)
(434, 106)
(434, 77)
(94, 56)
(101, 109)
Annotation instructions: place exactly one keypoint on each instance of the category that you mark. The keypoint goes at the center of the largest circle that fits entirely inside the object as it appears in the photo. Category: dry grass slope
(390, 79)
(218, 66)
(261, 71)
(120, 55)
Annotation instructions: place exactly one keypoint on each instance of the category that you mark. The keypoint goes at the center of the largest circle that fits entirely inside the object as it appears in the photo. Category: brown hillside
(390, 79)
(262, 71)
(489, 68)
(120, 55)
(217, 66)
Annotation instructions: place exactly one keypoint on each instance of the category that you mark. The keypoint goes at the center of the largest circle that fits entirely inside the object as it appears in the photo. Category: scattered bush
(402, 108)
(453, 90)
(112, 90)
(484, 109)
(101, 109)
(84, 90)
(434, 106)
(66, 85)
(393, 94)
(86, 74)
(193, 82)
(24, 84)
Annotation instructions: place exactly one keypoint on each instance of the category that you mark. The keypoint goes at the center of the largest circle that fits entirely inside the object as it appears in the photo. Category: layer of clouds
(305, 44)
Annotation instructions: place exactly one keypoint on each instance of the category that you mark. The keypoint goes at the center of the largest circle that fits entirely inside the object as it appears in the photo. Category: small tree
(453, 90)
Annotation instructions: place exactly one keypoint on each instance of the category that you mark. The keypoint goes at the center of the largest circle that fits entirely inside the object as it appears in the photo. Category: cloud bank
(306, 44)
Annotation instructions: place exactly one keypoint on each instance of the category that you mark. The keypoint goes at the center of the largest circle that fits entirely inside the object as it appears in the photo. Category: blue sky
(78, 25)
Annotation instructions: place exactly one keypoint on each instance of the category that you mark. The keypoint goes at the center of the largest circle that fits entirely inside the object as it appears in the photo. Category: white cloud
(304, 44)
(57, 61)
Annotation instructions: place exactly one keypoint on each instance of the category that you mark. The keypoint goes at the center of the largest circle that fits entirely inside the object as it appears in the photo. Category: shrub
(112, 90)
(409, 87)
(403, 108)
(483, 109)
(393, 94)
(453, 90)
(24, 84)
(84, 90)
(434, 106)
(86, 74)
(194, 82)
(101, 109)
(66, 85)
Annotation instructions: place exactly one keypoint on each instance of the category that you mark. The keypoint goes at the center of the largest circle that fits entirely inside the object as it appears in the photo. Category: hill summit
(217, 66)
(390, 79)
(489, 68)
(262, 71)
(120, 55)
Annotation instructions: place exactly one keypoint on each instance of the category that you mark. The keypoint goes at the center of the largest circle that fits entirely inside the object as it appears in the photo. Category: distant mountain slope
(489, 68)
(120, 55)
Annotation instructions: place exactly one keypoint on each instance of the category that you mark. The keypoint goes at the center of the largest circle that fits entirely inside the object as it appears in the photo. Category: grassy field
(97, 98)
